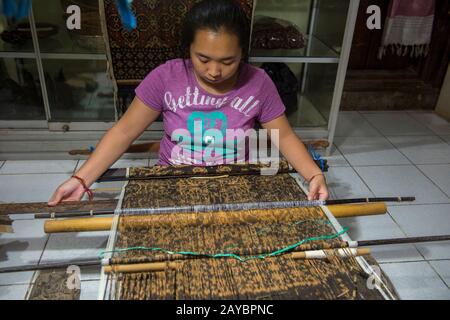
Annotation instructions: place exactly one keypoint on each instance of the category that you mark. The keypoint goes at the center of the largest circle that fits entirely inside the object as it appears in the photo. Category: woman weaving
(214, 85)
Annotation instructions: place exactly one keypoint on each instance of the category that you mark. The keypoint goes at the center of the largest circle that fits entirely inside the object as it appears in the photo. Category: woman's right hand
(70, 190)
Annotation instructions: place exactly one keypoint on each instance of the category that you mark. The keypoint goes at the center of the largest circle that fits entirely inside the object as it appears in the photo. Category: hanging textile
(408, 28)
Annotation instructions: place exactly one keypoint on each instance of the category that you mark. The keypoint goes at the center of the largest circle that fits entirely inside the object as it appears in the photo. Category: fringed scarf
(408, 28)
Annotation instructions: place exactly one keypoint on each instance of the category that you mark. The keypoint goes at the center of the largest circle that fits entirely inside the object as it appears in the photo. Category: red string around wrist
(86, 189)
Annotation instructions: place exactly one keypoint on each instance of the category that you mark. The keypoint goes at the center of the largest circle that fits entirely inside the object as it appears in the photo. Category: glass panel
(79, 90)
(20, 90)
(15, 37)
(330, 23)
(319, 87)
(86, 40)
(308, 110)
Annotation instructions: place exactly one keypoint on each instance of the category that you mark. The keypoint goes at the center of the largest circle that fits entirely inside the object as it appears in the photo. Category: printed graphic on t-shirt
(206, 136)
(192, 98)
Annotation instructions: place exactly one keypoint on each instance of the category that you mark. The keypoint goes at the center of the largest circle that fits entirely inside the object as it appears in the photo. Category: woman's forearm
(292, 148)
(298, 156)
(110, 148)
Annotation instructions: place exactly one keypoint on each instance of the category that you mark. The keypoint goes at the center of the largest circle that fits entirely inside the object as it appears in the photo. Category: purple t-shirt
(191, 114)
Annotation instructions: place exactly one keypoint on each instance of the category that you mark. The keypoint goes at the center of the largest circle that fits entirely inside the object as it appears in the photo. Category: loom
(240, 236)
(223, 232)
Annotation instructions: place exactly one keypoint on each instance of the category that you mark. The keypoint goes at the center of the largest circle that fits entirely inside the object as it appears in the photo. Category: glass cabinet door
(20, 88)
(74, 63)
(305, 36)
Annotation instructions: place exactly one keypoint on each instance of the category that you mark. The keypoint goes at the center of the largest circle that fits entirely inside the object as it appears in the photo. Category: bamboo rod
(104, 223)
(382, 242)
(162, 266)
(357, 210)
(95, 261)
(52, 265)
(368, 200)
(140, 267)
(323, 254)
(78, 225)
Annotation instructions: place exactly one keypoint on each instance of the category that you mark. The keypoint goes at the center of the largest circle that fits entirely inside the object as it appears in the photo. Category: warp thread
(229, 255)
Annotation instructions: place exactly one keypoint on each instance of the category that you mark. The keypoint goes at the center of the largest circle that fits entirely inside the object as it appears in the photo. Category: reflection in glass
(88, 39)
(20, 90)
(15, 37)
(319, 89)
(79, 90)
(314, 104)
(330, 24)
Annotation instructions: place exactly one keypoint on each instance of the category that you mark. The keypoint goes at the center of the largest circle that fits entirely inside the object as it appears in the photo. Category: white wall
(443, 105)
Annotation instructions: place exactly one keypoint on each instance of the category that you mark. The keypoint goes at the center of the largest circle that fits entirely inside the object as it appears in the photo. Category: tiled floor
(376, 154)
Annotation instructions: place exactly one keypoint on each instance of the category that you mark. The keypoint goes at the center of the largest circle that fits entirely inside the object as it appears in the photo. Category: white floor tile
(29, 188)
(433, 121)
(442, 267)
(372, 227)
(434, 250)
(72, 246)
(381, 227)
(396, 253)
(38, 166)
(423, 220)
(401, 181)
(416, 281)
(16, 278)
(14, 292)
(396, 124)
(343, 182)
(352, 124)
(1, 163)
(22, 216)
(89, 290)
(335, 159)
(423, 149)
(439, 174)
(91, 273)
(25, 245)
(369, 151)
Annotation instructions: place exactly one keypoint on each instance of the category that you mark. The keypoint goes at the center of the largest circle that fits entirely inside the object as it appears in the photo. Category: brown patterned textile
(271, 33)
(188, 170)
(243, 234)
(198, 191)
(155, 40)
(52, 285)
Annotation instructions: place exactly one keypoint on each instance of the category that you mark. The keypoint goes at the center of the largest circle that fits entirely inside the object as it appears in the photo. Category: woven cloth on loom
(243, 233)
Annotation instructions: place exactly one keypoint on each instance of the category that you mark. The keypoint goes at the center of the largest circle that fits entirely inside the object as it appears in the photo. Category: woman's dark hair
(213, 15)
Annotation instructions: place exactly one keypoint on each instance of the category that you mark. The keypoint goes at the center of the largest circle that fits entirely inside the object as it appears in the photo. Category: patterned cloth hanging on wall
(156, 39)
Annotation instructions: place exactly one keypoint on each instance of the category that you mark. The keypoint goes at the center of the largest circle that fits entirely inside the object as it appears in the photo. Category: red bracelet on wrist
(86, 189)
(316, 175)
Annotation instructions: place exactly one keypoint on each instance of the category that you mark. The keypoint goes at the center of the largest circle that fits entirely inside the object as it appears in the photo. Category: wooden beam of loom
(42, 207)
(162, 266)
(104, 223)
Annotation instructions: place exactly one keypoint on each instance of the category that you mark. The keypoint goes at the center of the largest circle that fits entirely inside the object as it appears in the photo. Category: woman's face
(215, 55)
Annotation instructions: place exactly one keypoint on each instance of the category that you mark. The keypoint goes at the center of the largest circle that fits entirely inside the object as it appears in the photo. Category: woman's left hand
(318, 188)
